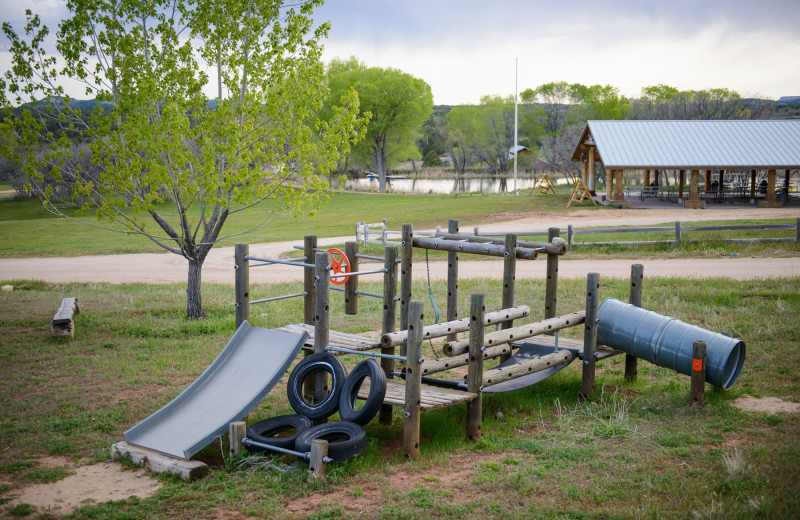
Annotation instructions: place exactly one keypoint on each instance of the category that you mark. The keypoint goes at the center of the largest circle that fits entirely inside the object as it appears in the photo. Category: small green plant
(48, 475)
(22, 510)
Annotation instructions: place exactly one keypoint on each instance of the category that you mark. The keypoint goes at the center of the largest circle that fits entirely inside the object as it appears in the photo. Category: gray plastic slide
(249, 366)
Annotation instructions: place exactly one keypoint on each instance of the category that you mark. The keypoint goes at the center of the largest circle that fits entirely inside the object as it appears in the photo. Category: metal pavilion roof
(721, 144)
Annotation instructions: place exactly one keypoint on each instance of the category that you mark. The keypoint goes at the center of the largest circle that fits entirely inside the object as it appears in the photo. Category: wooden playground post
(509, 281)
(316, 464)
(475, 371)
(309, 300)
(242, 267)
(236, 432)
(551, 289)
(637, 277)
(351, 285)
(698, 381)
(406, 254)
(413, 381)
(321, 320)
(452, 280)
(388, 324)
(590, 334)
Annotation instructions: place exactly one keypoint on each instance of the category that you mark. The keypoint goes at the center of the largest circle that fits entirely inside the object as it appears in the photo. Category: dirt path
(218, 268)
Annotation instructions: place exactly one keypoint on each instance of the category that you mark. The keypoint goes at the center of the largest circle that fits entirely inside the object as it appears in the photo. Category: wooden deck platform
(337, 339)
(432, 397)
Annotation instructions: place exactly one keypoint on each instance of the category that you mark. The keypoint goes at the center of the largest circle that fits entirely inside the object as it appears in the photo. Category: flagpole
(516, 151)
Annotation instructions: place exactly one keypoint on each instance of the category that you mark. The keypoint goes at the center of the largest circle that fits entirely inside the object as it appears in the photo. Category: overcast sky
(466, 49)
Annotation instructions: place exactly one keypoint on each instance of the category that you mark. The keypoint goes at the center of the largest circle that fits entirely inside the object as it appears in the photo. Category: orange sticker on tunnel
(697, 365)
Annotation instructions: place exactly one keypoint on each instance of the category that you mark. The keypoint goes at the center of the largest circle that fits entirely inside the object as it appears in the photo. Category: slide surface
(246, 370)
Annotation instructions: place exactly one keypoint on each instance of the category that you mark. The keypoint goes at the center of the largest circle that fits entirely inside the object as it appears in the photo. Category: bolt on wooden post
(697, 392)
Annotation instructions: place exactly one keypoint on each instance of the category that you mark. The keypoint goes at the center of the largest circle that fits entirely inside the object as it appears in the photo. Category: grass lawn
(634, 451)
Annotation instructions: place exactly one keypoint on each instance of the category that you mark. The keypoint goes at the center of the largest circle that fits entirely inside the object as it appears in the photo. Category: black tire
(377, 391)
(265, 431)
(346, 439)
(328, 406)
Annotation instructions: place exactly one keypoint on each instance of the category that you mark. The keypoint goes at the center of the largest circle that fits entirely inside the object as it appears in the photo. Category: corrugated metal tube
(667, 342)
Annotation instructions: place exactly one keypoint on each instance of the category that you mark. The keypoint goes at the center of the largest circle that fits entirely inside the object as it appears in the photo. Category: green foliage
(431, 159)
(261, 141)
(396, 103)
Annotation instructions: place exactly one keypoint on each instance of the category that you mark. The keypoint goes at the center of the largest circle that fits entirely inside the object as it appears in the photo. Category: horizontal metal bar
(316, 249)
(275, 298)
(340, 289)
(370, 257)
(358, 273)
(374, 295)
(436, 382)
(267, 261)
(360, 353)
(306, 455)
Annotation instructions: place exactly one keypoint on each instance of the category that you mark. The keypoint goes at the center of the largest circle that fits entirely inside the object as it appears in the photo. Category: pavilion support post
(694, 201)
(721, 181)
(752, 186)
(657, 178)
(619, 194)
(681, 181)
(584, 171)
(646, 177)
(771, 200)
(786, 175)
(452, 280)
(707, 184)
(592, 171)
(609, 184)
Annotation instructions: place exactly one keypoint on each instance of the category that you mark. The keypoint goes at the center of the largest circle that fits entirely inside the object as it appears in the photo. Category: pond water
(443, 186)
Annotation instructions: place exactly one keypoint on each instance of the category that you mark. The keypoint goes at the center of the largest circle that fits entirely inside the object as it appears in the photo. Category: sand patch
(766, 404)
(89, 485)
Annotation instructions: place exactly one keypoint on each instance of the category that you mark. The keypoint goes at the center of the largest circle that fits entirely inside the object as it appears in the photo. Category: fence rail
(378, 234)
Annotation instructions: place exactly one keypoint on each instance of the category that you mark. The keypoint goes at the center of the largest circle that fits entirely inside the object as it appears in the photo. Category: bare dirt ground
(87, 485)
(766, 404)
(218, 268)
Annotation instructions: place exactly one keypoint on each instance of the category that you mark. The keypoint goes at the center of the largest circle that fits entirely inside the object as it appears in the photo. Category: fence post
(697, 392)
(406, 254)
(413, 381)
(570, 232)
(365, 233)
(551, 288)
(590, 334)
(388, 325)
(452, 280)
(677, 232)
(475, 373)
(475, 231)
(351, 285)
(798, 230)
(242, 270)
(637, 277)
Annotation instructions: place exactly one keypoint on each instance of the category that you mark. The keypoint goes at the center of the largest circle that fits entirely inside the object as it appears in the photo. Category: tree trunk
(380, 162)
(194, 297)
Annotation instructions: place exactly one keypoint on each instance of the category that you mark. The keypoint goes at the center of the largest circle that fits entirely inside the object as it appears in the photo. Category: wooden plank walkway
(431, 398)
(337, 339)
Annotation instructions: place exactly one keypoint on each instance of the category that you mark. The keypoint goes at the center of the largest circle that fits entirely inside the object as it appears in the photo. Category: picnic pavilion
(710, 149)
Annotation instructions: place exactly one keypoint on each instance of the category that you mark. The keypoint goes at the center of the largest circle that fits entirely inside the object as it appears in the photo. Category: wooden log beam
(499, 337)
(388, 324)
(406, 256)
(486, 249)
(698, 377)
(394, 339)
(498, 375)
(544, 247)
(62, 324)
(442, 364)
(551, 284)
(509, 279)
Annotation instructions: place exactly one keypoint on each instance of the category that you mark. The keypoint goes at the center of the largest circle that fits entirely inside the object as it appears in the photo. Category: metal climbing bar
(370, 257)
(270, 447)
(360, 353)
(267, 261)
(373, 295)
(359, 273)
(276, 298)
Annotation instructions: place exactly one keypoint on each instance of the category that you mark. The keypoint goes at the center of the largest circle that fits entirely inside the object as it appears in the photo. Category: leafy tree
(397, 103)
(431, 159)
(665, 102)
(164, 155)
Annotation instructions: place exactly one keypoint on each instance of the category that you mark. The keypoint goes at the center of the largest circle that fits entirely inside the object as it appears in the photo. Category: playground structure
(522, 363)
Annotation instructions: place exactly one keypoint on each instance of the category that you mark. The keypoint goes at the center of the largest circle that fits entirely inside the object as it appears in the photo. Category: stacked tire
(347, 438)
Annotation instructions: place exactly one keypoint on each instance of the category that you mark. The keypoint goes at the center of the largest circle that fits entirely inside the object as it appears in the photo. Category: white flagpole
(516, 152)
